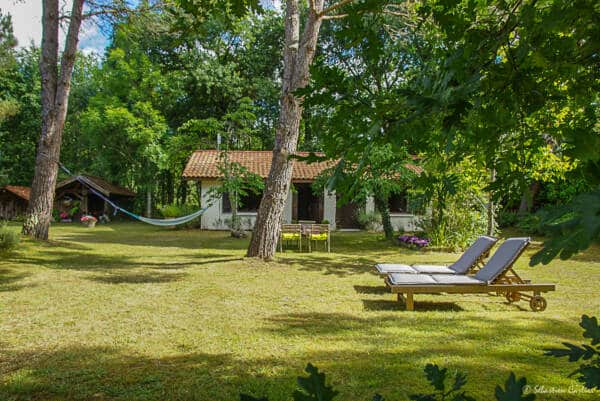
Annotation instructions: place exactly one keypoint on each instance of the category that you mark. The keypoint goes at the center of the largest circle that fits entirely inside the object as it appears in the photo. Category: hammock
(155, 222)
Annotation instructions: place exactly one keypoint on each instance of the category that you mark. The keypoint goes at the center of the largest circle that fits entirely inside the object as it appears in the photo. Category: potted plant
(89, 221)
(64, 217)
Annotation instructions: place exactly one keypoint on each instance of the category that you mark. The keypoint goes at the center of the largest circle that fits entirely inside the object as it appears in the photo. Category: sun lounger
(497, 275)
(468, 261)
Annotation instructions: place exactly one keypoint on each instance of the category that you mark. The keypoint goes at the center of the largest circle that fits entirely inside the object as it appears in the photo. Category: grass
(131, 312)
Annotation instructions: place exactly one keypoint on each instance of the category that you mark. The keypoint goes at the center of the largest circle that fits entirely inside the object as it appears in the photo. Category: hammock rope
(155, 222)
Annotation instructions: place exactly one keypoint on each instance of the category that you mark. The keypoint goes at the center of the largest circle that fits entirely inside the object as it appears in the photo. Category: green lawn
(131, 312)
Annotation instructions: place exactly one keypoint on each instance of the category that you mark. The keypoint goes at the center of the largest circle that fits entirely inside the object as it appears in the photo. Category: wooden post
(410, 304)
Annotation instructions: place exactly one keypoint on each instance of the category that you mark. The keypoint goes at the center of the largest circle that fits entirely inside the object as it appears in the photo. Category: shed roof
(21, 192)
(99, 184)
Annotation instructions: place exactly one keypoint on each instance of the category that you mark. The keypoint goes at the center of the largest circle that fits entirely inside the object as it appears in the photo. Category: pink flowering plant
(64, 215)
(413, 241)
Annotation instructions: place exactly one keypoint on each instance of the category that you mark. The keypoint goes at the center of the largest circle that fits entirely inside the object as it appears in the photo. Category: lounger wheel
(513, 297)
(538, 303)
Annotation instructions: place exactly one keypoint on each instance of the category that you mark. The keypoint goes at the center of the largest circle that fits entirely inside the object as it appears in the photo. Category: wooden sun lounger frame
(508, 283)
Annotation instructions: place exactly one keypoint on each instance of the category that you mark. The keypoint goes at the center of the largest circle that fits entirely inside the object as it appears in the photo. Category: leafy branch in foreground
(572, 228)
(588, 372)
(447, 387)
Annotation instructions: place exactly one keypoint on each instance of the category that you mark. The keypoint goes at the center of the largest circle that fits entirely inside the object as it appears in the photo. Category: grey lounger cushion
(399, 279)
(468, 259)
(502, 260)
(411, 279)
(462, 266)
(433, 269)
(385, 268)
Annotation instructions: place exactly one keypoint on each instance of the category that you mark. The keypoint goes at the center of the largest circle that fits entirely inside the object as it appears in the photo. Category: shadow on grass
(421, 306)
(90, 261)
(372, 289)
(106, 373)
(137, 235)
(9, 280)
(138, 278)
(337, 264)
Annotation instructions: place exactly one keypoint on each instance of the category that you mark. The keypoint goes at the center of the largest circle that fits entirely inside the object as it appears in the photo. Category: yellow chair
(290, 233)
(319, 232)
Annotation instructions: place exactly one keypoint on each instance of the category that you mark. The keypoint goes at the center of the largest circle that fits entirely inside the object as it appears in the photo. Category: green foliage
(172, 211)
(370, 221)
(531, 223)
(588, 372)
(457, 201)
(572, 228)
(507, 218)
(237, 182)
(19, 128)
(9, 238)
(460, 224)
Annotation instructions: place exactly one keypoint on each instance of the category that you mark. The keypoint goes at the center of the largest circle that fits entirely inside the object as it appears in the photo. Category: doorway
(306, 205)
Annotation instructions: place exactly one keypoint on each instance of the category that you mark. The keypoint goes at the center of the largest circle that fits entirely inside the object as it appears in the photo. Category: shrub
(459, 225)
(9, 239)
(370, 221)
(507, 218)
(173, 211)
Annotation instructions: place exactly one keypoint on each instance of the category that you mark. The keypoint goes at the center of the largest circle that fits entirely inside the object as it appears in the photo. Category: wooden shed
(72, 194)
(13, 201)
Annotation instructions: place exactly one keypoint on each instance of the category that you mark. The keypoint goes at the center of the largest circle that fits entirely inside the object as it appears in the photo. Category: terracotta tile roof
(21, 192)
(203, 164)
(101, 185)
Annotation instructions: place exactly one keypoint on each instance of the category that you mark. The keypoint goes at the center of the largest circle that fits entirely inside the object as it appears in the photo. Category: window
(249, 203)
(398, 203)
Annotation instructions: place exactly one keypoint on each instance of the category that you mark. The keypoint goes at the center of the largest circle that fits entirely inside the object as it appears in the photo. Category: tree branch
(334, 6)
(335, 16)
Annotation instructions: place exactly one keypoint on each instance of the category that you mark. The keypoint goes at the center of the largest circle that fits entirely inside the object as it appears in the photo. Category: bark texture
(56, 85)
(298, 56)
(381, 203)
(491, 209)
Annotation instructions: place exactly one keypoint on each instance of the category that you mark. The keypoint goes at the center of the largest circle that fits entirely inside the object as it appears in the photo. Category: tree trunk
(149, 203)
(381, 203)
(55, 97)
(491, 210)
(198, 186)
(528, 198)
(297, 57)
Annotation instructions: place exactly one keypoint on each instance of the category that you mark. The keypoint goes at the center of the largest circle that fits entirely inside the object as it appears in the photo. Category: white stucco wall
(400, 221)
(329, 208)
(404, 221)
(213, 213)
(287, 210)
(215, 219)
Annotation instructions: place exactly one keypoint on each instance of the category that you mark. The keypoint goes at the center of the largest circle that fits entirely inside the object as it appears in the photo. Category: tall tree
(56, 83)
(298, 54)
(56, 70)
